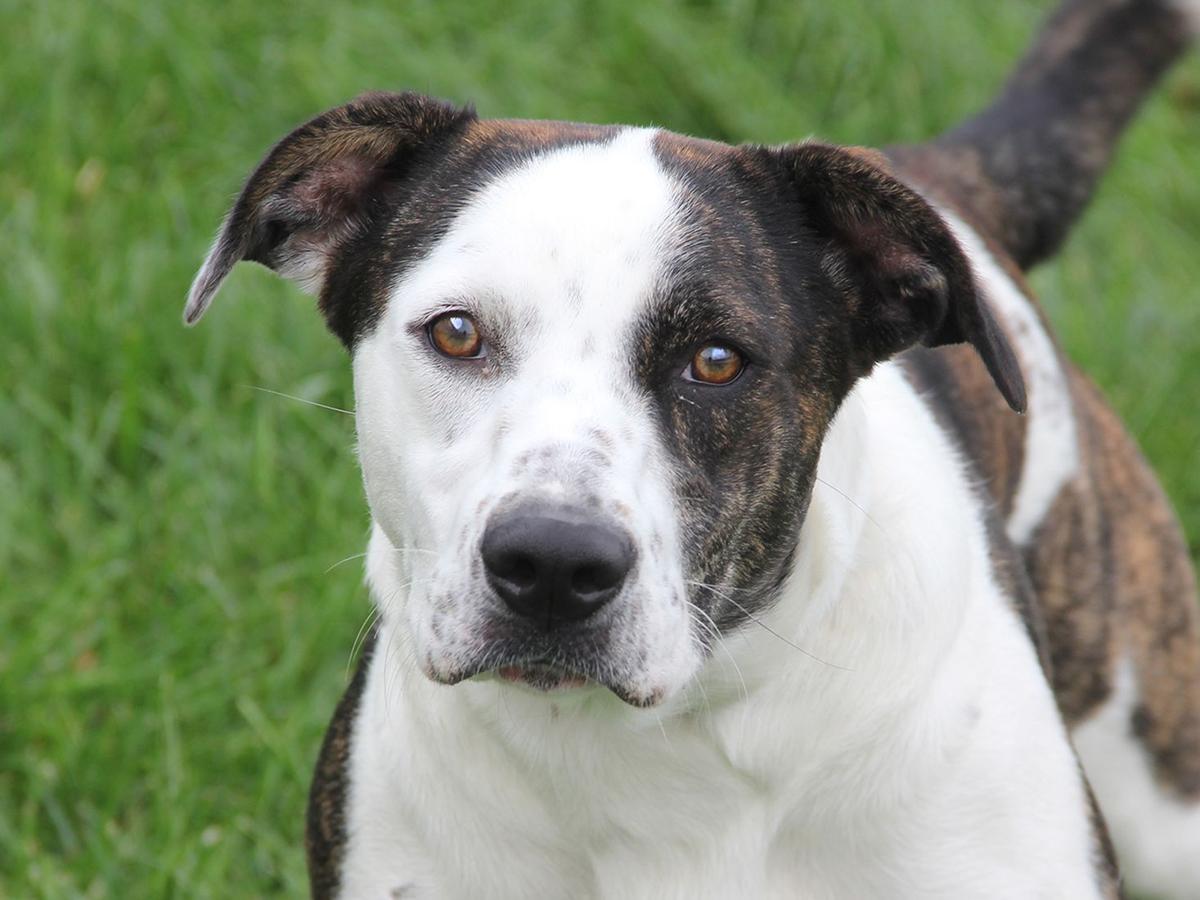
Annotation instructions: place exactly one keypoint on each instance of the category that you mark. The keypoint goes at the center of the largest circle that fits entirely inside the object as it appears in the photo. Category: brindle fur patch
(328, 799)
(1025, 168)
(1150, 598)
(816, 264)
(744, 453)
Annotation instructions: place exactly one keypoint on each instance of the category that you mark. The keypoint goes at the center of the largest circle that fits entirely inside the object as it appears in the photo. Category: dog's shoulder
(325, 832)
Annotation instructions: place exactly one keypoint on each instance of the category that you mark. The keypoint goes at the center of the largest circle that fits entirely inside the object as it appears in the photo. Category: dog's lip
(546, 677)
(541, 676)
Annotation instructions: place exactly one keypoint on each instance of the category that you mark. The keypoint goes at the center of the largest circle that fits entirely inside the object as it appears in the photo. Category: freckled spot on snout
(588, 347)
(400, 891)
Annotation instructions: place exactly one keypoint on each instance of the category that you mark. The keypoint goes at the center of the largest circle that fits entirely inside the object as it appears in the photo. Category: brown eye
(715, 364)
(456, 335)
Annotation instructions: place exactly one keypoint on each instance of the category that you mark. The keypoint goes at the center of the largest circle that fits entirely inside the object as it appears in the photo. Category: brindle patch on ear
(901, 271)
(345, 203)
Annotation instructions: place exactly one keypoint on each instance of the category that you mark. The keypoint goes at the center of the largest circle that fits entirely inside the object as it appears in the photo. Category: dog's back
(1113, 586)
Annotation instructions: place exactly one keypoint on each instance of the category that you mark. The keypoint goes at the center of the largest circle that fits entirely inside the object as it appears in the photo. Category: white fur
(1051, 457)
(884, 732)
(911, 749)
(1158, 836)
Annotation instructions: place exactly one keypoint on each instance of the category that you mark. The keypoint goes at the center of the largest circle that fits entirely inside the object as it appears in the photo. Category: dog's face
(593, 366)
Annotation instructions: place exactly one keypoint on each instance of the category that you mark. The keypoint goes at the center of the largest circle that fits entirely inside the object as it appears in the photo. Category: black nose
(555, 564)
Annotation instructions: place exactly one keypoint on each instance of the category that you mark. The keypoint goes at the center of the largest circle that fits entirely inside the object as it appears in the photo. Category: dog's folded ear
(322, 185)
(895, 261)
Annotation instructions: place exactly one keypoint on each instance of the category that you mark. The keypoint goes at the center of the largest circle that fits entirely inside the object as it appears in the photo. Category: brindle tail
(1025, 167)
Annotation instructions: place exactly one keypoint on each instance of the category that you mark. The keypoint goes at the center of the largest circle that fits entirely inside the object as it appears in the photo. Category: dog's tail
(1025, 167)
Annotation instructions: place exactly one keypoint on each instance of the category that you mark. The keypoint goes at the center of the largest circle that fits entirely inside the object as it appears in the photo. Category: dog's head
(593, 366)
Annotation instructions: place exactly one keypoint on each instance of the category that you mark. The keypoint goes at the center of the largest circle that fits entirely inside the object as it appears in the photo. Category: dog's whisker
(393, 672)
(359, 638)
(342, 562)
(837, 490)
(336, 409)
(717, 640)
(663, 730)
(757, 621)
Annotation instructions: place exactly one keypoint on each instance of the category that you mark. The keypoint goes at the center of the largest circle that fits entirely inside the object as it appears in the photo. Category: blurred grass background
(174, 621)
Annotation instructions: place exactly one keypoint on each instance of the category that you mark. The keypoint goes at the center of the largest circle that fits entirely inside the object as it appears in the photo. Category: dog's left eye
(715, 364)
(456, 335)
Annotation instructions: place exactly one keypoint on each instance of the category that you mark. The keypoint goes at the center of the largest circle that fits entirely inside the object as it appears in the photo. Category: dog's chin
(552, 680)
(544, 678)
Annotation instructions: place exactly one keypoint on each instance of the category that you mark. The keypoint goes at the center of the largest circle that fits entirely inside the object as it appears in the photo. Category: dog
(769, 540)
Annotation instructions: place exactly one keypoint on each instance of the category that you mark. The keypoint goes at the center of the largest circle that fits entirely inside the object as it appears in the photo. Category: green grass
(173, 628)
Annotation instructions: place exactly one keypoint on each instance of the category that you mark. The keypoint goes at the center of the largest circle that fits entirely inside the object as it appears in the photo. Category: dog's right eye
(456, 335)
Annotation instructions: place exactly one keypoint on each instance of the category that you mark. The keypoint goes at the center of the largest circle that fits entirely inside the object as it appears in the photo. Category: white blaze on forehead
(556, 257)
(577, 232)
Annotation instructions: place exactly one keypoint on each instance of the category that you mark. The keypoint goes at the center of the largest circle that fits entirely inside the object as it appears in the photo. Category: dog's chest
(518, 805)
(537, 800)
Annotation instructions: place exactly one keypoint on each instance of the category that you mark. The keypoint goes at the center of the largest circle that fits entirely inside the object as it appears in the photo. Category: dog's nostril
(594, 579)
(555, 564)
(520, 570)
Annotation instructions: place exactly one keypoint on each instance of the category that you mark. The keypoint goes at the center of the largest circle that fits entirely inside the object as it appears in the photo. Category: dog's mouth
(542, 677)
(552, 676)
